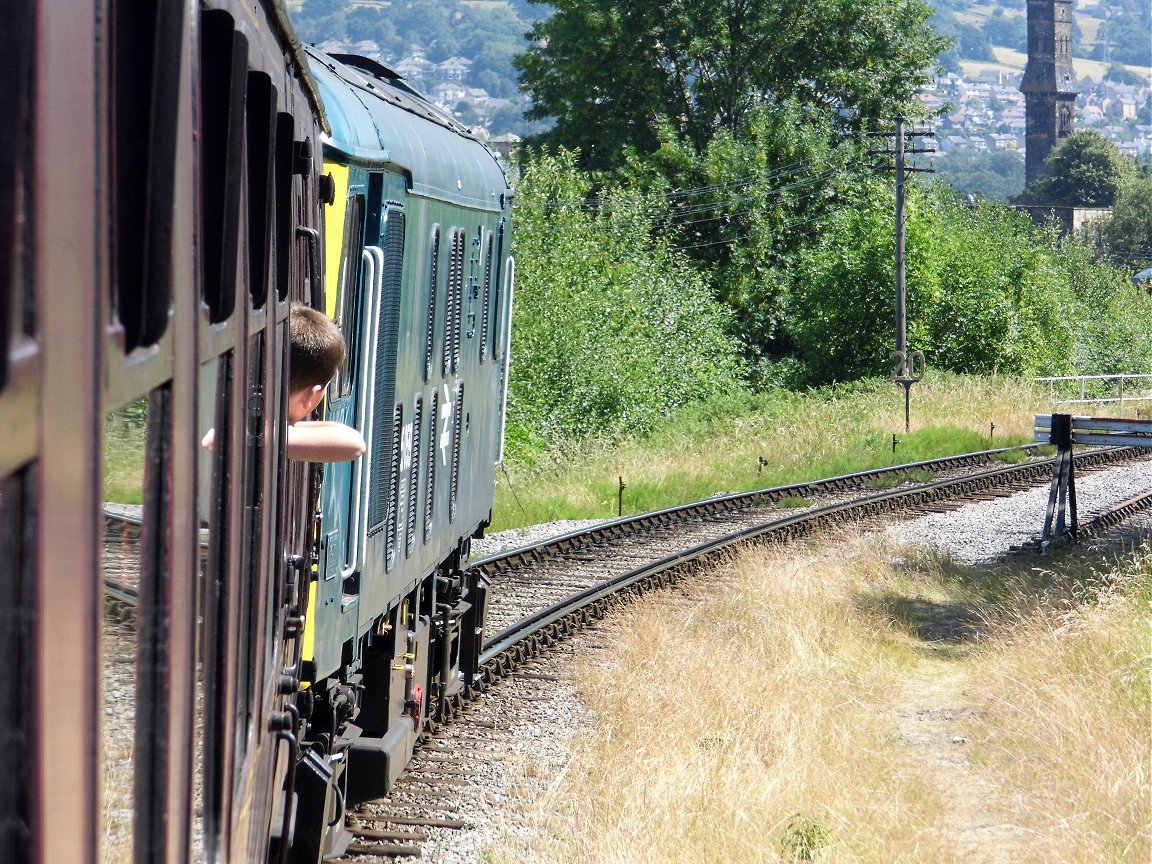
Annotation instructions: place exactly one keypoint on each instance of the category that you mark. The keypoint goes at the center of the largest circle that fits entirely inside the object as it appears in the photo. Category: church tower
(1049, 85)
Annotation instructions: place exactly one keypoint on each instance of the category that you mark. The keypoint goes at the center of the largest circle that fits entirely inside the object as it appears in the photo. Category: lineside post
(1062, 492)
(907, 366)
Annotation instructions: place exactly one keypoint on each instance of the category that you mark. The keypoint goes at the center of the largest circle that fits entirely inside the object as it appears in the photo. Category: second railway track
(552, 589)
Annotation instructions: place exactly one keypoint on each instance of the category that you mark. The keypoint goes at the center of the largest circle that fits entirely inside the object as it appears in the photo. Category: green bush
(612, 330)
(987, 291)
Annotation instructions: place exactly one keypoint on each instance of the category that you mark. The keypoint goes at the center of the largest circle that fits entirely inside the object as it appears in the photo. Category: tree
(998, 174)
(1010, 31)
(987, 291)
(1083, 170)
(1119, 74)
(612, 74)
(1126, 235)
(613, 329)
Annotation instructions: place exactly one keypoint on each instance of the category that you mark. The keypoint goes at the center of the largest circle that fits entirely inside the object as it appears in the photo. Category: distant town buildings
(988, 113)
(983, 114)
(446, 84)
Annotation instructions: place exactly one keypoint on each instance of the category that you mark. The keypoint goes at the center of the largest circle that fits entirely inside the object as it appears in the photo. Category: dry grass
(795, 712)
(1009, 60)
(1068, 718)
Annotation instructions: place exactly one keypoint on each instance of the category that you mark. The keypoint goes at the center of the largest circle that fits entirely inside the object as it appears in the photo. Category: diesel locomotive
(173, 177)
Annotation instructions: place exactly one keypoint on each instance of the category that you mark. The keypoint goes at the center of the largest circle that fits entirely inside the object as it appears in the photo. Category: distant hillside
(1107, 34)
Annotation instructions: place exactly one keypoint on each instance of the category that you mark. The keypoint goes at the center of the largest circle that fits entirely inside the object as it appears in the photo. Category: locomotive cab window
(348, 292)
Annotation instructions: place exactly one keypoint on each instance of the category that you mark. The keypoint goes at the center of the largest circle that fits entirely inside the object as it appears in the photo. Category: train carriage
(162, 204)
(160, 212)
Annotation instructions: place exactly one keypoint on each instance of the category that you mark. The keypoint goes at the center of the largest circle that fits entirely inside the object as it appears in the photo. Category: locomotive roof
(376, 119)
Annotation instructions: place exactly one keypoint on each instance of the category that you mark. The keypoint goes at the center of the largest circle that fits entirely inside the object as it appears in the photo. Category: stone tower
(1049, 84)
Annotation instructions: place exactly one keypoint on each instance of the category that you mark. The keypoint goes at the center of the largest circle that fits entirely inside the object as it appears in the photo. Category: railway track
(542, 593)
(593, 570)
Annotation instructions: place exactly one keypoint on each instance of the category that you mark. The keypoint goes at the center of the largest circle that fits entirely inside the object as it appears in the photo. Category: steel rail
(721, 504)
(507, 647)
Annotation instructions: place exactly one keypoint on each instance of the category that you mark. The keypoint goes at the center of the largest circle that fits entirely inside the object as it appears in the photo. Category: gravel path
(980, 533)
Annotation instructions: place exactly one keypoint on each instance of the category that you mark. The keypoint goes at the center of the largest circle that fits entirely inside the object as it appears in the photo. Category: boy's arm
(323, 441)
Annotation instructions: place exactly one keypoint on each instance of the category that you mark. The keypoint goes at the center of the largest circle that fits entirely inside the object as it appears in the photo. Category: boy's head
(317, 350)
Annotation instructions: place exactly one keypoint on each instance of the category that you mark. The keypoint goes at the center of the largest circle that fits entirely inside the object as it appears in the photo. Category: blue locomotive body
(418, 276)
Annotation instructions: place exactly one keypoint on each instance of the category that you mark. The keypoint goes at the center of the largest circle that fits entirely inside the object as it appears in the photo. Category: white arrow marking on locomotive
(445, 431)
(406, 447)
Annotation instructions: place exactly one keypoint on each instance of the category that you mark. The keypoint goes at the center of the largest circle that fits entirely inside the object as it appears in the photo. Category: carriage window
(261, 130)
(125, 442)
(138, 626)
(347, 291)
(224, 80)
(17, 623)
(16, 64)
(146, 43)
(285, 172)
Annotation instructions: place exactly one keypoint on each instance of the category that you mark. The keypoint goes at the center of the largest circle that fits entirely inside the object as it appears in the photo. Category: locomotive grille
(430, 489)
(454, 303)
(433, 278)
(414, 476)
(457, 296)
(456, 428)
(497, 299)
(394, 483)
(383, 445)
(486, 308)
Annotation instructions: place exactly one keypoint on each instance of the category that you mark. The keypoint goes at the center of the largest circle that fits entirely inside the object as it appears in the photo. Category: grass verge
(887, 706)
(750, 442)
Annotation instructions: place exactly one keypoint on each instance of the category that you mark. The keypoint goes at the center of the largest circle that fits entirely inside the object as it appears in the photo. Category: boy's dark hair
(317, 348)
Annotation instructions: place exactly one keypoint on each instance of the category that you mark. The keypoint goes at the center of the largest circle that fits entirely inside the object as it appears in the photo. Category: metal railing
(1099, 388)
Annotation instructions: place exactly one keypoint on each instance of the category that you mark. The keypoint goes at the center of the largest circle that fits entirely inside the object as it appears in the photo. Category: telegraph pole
(907, 366)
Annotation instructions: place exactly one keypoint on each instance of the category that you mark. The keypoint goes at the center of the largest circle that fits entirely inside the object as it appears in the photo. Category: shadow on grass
(951, 622)
(946, 603)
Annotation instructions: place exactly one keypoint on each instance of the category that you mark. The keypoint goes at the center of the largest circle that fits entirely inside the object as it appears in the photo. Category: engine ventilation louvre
(383, 444)
(430, 489)
(486, 308)
(433, 286)
(453, 304)
(457, 427)
(414, 476)
(394, 485)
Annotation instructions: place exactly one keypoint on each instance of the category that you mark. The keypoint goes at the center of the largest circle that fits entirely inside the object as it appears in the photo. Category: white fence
(1081, 389)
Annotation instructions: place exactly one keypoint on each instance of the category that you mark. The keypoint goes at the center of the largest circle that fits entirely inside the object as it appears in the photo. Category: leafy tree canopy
(998, 174)
(1083, 170)
(987, 291)
(1127, 234)
(613, 329)
(613, 74)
